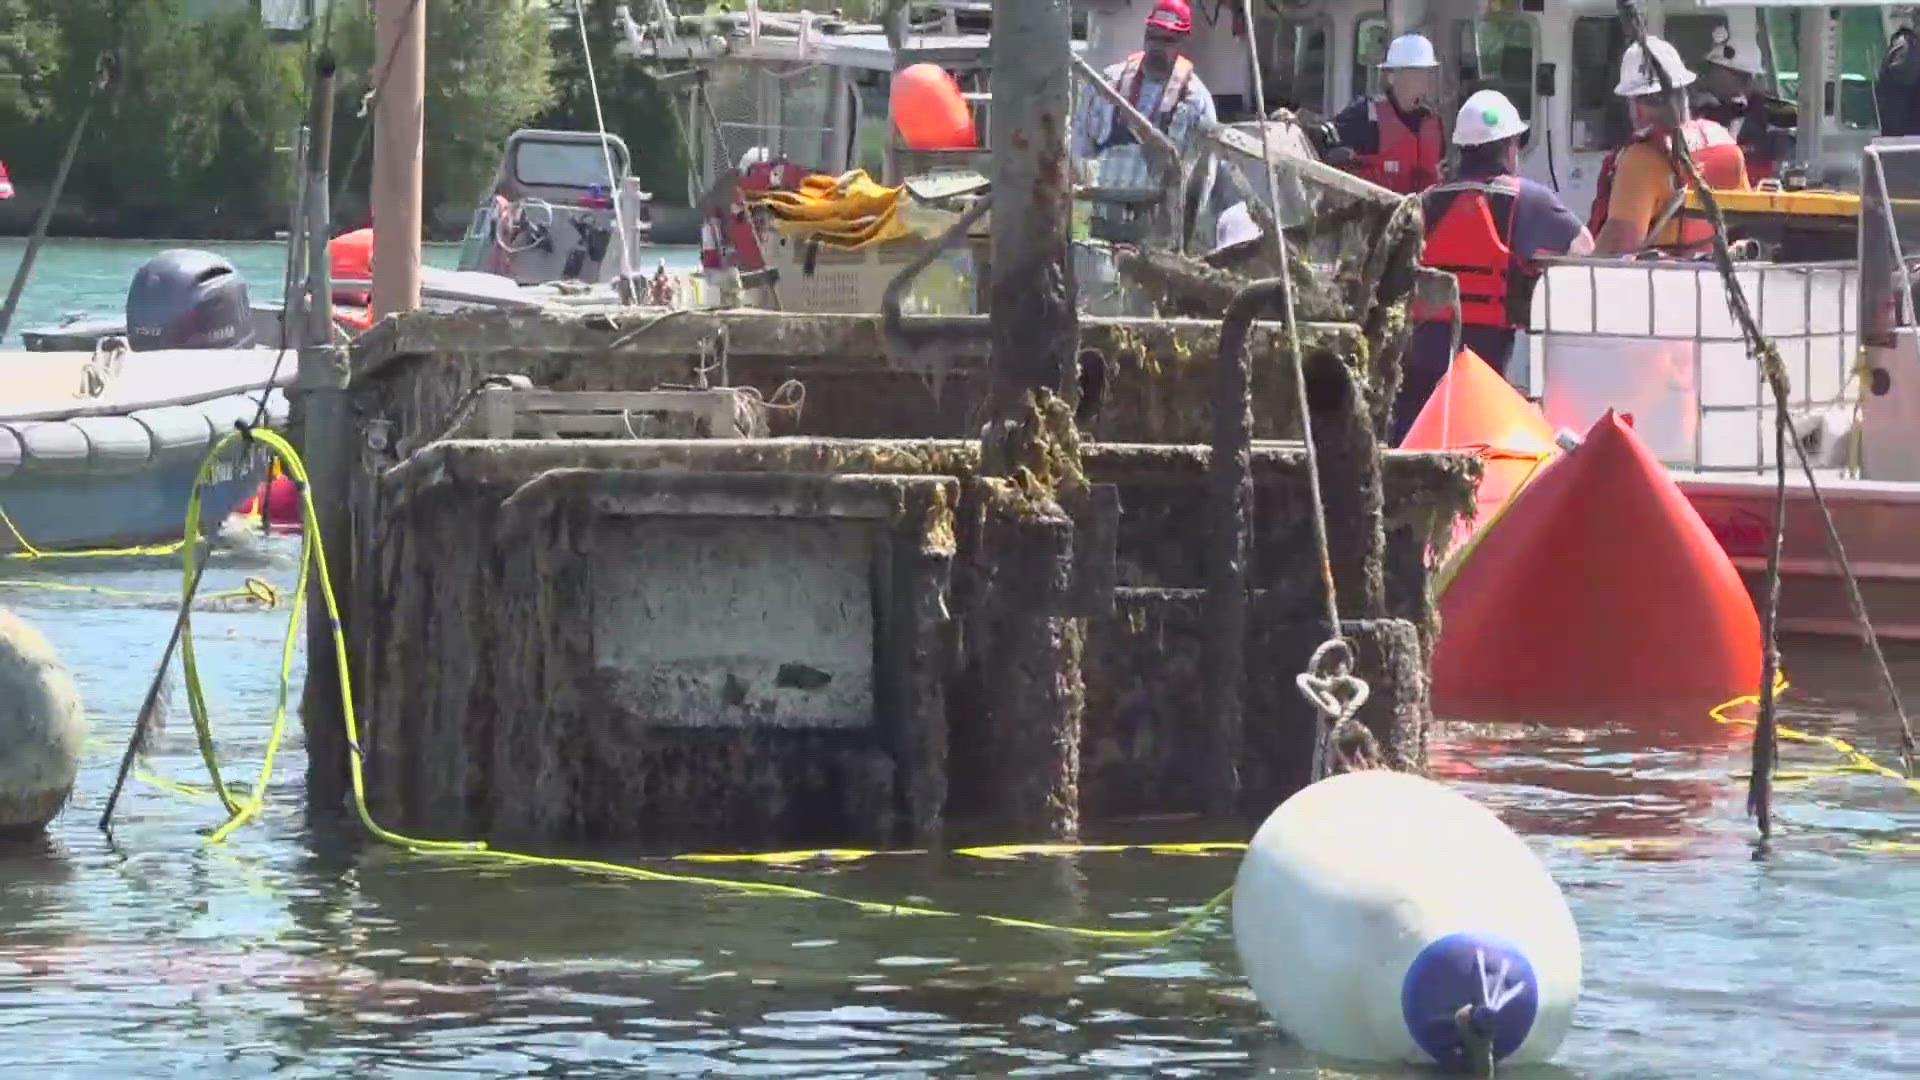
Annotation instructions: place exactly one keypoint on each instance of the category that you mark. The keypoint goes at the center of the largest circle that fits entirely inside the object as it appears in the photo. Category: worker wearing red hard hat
(1162, 85)
(1395, 137)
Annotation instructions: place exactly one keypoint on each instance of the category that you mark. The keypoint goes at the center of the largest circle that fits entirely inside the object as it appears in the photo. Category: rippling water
(155, 954)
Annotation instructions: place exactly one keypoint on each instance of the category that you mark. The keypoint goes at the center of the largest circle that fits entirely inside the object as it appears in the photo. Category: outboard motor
(188, 299)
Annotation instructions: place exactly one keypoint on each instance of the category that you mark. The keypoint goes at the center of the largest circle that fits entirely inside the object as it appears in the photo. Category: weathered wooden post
(322, 387)
(399, 118)
(1027, 654)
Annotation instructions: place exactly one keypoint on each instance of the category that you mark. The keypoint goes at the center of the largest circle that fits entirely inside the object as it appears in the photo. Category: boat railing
(1657, 340)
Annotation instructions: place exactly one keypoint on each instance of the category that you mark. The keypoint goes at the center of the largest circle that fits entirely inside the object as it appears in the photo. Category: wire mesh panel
(1658, 340)
(789, 112)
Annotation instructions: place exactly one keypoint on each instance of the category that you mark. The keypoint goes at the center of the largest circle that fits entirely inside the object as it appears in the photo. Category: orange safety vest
(1470, 235)
(1408, 160)
(1716, 156)
(1132, 76)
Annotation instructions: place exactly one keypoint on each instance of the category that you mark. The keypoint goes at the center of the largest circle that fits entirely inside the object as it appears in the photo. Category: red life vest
(1407, 160)
(1470, 235)
(1716, 157)
(729, 236)
(1132, 77)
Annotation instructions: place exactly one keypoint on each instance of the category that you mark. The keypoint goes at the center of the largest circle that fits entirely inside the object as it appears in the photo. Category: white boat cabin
(1557, 61)
(816, 84)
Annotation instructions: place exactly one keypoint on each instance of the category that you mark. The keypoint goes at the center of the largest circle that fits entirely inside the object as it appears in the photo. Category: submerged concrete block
(744, 654)
(706, 623)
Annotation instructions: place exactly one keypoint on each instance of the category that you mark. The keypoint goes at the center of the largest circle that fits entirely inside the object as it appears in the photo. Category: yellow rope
(253, 589)
(29, 551)
(1856, 760)
(313, 558)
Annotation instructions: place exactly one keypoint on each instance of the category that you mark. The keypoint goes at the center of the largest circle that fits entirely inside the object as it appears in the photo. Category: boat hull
(90, 513)
(1877, 522)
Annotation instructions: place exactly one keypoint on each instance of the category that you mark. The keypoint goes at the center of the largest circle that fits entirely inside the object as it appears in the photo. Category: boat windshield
(565, 164)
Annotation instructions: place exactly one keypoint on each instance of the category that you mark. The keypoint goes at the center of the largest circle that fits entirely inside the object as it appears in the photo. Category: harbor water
(152, 953)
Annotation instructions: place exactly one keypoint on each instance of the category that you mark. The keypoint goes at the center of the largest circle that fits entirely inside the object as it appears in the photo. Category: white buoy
(1372, 906)
(43, 728)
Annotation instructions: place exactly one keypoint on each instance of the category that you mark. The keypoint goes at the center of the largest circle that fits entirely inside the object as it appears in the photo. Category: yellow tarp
(1803, 203)
(847, 212)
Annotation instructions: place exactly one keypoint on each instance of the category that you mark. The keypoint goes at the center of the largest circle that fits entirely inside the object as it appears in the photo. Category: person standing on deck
(1395, 137)
(1486, 227)
(1637, 205)
(1730, 96)
(1162, 85)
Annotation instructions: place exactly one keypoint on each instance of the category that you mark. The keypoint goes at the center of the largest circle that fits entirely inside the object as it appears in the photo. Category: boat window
(1369, 48)
(565, 164)
(1599, 117)
(1293, 65)
(1692, 35)
(1496, 53)
(1862, 40)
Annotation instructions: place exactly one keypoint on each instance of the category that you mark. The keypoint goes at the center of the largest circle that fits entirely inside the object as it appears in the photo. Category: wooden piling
(399, 118)
(1026, 654)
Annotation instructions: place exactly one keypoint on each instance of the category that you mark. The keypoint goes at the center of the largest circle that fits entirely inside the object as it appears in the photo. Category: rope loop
(1337, 698)
(1333, 659)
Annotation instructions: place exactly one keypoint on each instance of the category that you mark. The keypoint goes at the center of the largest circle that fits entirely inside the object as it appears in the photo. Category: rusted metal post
(398, 126)
(1343, 434)
(324, 435)
(1027, 654)
(1229, 540)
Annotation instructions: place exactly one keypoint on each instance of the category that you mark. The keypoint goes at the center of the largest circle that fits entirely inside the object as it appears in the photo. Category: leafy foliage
(189, 130)
(30, 54)
(635, 109)
(489, 70)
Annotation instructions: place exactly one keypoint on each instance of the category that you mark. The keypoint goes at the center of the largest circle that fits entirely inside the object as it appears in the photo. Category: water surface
(278, 952)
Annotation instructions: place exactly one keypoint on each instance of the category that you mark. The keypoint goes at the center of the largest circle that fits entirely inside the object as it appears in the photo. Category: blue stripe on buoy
(1485, 971)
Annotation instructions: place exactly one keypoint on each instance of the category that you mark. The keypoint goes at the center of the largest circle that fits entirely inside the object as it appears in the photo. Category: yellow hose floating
(313, 560)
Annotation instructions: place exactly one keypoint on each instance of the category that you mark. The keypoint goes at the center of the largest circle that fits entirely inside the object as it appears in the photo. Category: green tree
(29, 58)
(489, 71)
(635, 108)
(185, 143)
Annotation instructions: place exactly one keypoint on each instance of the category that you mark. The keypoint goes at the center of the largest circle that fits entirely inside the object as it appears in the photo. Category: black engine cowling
(188, 299)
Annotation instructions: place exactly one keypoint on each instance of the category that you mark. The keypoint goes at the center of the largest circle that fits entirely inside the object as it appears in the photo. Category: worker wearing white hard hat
(1729, 94)
(1488, 227)
(1639, 205)
(1395, 137)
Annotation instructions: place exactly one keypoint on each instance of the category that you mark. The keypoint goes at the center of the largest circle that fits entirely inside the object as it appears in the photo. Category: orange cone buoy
(930, 110)
(1474, 408)
(1599, 597)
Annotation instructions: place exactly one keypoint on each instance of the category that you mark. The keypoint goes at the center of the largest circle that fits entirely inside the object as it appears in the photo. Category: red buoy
(350, 258)
(1599, 597)
(930, 111)
(283, 504)
(1474, 409)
